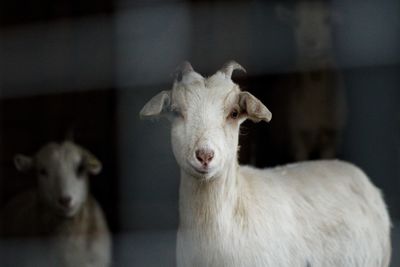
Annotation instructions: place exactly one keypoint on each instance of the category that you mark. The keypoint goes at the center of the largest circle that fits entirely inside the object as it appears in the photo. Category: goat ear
(92, 164)
(156, 105)
(23, 163)
(255, 110)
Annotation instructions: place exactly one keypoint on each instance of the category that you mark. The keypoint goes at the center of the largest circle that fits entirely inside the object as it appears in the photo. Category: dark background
(91, 65)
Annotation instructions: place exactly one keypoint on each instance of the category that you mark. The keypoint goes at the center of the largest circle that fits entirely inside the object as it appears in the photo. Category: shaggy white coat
(317, 213)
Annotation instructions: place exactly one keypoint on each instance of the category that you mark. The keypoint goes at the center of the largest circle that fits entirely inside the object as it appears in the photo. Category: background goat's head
(62, 173)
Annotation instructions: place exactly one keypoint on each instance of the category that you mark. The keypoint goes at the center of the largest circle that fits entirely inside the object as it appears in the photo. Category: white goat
(60, 211)
(317, 213)
(317, 105)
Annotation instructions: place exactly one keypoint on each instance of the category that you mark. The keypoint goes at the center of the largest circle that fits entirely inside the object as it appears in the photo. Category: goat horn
(184, 68)
(229, 67)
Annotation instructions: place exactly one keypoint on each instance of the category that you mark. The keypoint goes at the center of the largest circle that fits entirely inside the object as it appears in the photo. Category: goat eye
(42, 172)
(234, 114)
(176, 113)
(80, 169)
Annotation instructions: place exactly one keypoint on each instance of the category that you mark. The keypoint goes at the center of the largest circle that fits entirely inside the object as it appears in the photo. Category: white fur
(74, 233)
(319, 213)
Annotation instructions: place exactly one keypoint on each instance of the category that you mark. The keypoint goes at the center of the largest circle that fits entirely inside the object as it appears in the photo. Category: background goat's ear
(23, 163)
(256, 111)
(156, 105)
(92, 164)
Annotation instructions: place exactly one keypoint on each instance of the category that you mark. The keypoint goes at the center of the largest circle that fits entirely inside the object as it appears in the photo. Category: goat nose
(65, 201)
(204, 156)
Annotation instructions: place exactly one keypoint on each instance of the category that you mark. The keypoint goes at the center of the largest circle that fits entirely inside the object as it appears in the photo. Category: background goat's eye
(176, 113)
(42, 172)
(234, 114)
(80, 169)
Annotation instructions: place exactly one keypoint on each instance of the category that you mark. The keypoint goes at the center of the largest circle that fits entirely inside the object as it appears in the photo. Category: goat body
(320, 213)
(82, 240)
(316, 213)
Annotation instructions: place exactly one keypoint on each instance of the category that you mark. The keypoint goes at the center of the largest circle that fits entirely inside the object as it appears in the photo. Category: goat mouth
(203, 173)
(200, 171)
(66, 211)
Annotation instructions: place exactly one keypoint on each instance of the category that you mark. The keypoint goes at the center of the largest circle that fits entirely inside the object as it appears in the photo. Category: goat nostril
(198, 157)
(65, 201)
(204, 156)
